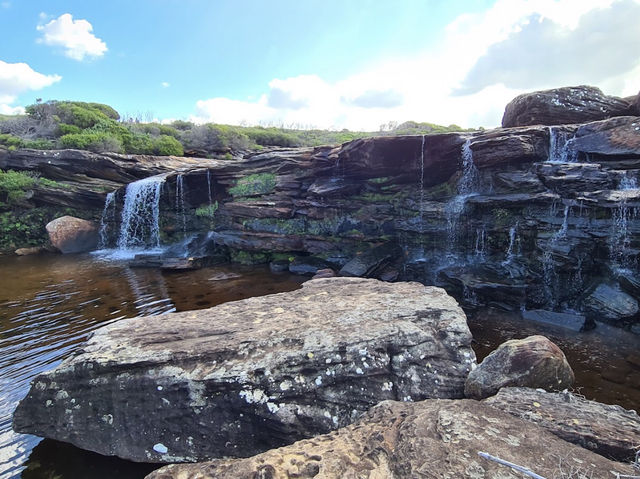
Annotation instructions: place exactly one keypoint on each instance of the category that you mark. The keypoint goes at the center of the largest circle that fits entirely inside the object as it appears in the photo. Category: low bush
(166, 145)
(252, 185)
(14, 186)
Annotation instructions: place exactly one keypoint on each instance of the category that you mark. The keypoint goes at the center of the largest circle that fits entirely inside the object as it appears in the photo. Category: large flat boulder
(576, 104)
(430, 439)
(251, 375)
(608, 430)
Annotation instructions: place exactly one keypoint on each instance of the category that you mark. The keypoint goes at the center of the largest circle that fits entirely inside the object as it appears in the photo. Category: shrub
(207, 211)
(9, 140)
(166, 145)
(258, 184)
(14, 185)
(97, 141)
(139, 144)
(39, 144)
(66, 129)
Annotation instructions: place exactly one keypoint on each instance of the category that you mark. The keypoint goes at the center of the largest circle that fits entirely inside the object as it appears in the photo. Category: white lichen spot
(365, 364)
(48, 403)
(318, 381)
(160, 448)
(62, 394)
(166, 402)
(359, 371)
(335, 420)
(159, 388)
(107, 419)
(387, 386)
(300, 379)
(328, 361)
(310, 355)
(327, 414)
(407, 399)
(272, 407)
(267, 372)
(256, 396)
(285, 385)
(40, 386)
(363, 352)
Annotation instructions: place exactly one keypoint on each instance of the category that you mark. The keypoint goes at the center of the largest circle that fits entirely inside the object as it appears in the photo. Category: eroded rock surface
(530, 362)
(610, 431)
(432, 439)
(251, 375)
(558, 106)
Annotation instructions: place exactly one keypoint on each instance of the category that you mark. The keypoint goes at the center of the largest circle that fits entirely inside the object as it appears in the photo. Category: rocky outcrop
(610, 431)
(533, 362)
(73, 235)
(579, 104)
(609, 303)
(435, 438)
(251, 375)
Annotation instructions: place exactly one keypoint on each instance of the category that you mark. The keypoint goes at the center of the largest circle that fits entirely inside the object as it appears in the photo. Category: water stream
(181, 212)
(140, 225)
(560, 150)
(550, 276)
(620, 252)
(108, 216)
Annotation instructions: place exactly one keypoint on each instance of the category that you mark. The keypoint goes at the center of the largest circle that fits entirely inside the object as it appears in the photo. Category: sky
(356, 64)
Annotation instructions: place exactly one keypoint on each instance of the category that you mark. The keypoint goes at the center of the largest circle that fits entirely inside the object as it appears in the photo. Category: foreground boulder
(251, 375)
(435, 438)
(577, 104)
(610, 431)
(531, 362)
(73, 235)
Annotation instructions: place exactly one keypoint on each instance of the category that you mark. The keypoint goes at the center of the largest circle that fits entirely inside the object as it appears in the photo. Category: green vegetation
(252, 185)
(99, 128)
(249, 257)
(207, 211)
(14, 186)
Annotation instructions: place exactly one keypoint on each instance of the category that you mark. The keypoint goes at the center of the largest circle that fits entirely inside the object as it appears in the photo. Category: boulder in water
(250, 375)
(533, 362)
(608, 302)
(73, 235)
(372, 260)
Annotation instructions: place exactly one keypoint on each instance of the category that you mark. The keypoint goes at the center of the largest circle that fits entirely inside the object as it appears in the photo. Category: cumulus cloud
(543, 52)
(165, 84)
(74, 36)
(481, 62)
(16, 78)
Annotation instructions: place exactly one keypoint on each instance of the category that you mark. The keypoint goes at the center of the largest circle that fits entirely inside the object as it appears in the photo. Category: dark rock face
(434, 438)
(610, 431)
(73, 235)
(609, 302)
(251, 375)
(602, 139)
(579, 104)
(533, 362)
(371, 261)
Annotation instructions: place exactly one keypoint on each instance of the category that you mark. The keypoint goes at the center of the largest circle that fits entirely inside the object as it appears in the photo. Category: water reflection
(49, 305)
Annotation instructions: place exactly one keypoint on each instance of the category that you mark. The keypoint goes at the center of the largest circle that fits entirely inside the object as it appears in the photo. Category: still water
(49, 304)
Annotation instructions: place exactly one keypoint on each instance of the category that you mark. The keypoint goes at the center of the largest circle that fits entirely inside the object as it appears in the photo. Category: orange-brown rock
(73, 235)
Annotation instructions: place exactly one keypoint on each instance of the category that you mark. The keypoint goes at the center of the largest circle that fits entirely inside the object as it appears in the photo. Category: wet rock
(616, 136)
(573, 322)
(406, 440)
(279, 265)
(30, 251)
(578, 104)
(250, 375)
(568, 178)
(324, 273)
(368, 262)
(531, 362)
(610, 431)
(629, 282)
(609, 302)
(509, 147)
(307, 265)
(73, 235)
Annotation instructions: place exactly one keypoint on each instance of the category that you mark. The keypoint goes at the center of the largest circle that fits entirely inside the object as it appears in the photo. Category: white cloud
(16, 78)
(74, 36)
(165, 84)
(481, 62)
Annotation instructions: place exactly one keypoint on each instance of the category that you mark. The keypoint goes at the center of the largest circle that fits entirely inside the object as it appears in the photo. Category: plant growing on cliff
(252, 185)
(14, 186)
(207, 211)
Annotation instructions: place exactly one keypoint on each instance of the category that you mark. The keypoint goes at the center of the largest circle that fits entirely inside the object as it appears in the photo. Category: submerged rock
(609, 302)
(435, 438)
(577, 104)
(610, 431)
(571, 321)
(73, 235)
(250, 375)
(531, 362)
(369, 262)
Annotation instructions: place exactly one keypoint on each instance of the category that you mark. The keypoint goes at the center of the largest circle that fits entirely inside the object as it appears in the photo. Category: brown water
(49, 304)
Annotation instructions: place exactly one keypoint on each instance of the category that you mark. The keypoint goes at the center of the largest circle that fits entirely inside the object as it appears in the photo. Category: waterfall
(180, 208)
(209, 187)
(513, 250)
(108, 214)
(467, 187)
(140, 224)
(559, 142)
(422, 185)
(548, 267)
(481, 244)
(620, 239)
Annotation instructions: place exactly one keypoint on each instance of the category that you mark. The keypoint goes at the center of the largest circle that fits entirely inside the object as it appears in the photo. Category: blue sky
(332, 64)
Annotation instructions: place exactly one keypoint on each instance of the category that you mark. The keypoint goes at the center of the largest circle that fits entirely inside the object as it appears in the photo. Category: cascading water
(422, 185)
(481, 244)
(620, 239)
(108, 215)
(559, 147)
(180, 207)
(209, 187)
(551, 282)
(467, 187)
(513, 250)
(140, 226)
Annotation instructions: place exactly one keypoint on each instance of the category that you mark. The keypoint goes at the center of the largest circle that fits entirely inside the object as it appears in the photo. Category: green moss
(502, 217)
(249, 257)
(207, 211)
(14, 186)
(252, 185)
(380, 180)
